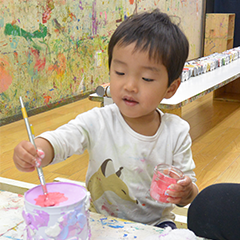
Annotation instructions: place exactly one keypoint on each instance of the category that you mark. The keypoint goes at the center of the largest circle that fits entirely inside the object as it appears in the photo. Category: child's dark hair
(154, 32)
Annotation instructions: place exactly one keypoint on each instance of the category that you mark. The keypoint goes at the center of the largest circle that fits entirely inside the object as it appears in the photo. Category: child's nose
(131, 84)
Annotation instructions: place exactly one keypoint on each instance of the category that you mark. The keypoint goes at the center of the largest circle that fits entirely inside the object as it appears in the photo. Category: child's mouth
(130, 101)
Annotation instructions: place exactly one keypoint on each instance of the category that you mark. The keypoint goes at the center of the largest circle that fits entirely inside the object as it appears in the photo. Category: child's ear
(172, 88)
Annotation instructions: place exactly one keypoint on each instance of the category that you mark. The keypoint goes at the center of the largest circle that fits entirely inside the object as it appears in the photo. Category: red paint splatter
(14, 22)
(15, 56)
(46, 15)
(60, 65)
(54, 85)
(107, 210)
(40, 62)
(47, 11)
(5, 75)
(72, 16)
(47, 99)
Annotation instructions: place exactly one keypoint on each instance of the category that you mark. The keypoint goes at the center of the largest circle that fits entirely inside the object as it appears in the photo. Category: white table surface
(102, 228)
(193, 88)
(207, 81)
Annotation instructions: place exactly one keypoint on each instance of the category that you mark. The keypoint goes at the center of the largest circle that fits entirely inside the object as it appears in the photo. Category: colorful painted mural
(51, 50)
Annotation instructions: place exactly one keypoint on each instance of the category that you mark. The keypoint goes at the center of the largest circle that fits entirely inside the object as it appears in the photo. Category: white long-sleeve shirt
(122, 161)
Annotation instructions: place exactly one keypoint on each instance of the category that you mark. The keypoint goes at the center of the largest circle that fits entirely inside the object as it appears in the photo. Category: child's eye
(147, 79)
(119, 73)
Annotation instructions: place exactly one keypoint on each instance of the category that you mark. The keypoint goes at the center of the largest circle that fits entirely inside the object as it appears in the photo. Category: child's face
(138, 84)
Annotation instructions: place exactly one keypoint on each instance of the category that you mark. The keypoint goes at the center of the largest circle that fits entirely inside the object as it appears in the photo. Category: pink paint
(72, 193)
(164, 175)
(159, 186)
(67, 219)
(105, 16)
(5, 75)
(51, 199)
(107, 210)
(39, 62)
(47, 13)
(37, 162)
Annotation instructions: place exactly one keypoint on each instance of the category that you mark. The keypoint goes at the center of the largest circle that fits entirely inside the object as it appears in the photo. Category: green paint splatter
(14, 30)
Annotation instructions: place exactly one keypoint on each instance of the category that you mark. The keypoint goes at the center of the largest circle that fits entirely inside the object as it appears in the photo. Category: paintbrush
(31, 139)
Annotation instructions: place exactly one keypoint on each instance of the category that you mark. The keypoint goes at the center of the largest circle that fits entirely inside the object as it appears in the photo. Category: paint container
(164, 175)
(103, 90)
(67, 220)
(185, 74)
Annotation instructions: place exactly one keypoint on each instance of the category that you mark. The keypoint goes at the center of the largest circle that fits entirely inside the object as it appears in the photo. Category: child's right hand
(26, 157)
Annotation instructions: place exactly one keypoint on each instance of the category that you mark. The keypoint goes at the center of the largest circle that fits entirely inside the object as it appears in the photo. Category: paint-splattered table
(102, 228)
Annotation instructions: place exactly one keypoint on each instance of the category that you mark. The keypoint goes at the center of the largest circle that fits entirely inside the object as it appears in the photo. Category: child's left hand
(183, 192)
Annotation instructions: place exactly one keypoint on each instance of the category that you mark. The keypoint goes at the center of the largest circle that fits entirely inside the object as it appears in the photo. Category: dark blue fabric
(167, 224)
(230, 6)
(215, 212)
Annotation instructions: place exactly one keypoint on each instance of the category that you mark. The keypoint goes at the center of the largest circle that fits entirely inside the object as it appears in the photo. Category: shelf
(228, 97)
(201, 85)
(231, 24)
(219, 32)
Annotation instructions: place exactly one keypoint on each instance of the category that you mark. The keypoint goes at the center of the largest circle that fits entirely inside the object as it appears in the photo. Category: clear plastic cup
(164, 175)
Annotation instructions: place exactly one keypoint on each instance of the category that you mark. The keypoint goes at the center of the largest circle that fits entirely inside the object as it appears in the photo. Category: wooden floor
(215, 130)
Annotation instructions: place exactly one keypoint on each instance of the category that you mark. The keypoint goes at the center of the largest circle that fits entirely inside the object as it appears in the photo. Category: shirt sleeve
(183, 158)
(182, 143)
(71, 138)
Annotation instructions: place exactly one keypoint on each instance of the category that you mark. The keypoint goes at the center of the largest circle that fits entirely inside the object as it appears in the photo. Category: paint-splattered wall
(53, 50)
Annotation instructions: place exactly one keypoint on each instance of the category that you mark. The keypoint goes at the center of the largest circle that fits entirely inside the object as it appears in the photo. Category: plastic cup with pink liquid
(164, 175)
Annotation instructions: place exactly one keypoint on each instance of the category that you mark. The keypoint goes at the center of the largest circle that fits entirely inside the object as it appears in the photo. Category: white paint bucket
(68, 220)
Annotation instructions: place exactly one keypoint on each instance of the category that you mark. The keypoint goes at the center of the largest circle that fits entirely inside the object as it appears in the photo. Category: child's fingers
(172, 173)
(184, 182)
(24, 166)
(29, 147)
(27, 158)
(181, 185)
(175, 187)
(174, 200)
(25, 155)
(175, 193)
